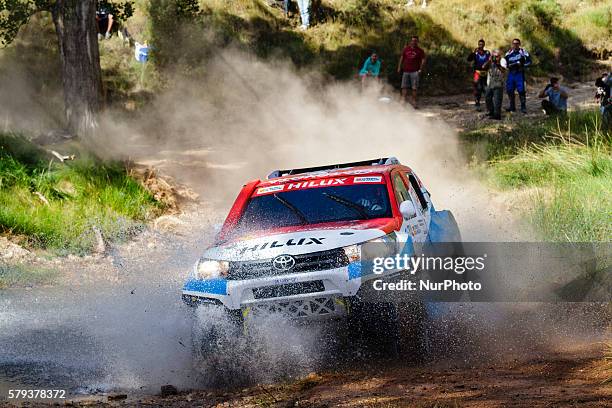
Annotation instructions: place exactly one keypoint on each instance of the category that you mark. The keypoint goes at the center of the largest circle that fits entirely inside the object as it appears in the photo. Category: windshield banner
(325, 182)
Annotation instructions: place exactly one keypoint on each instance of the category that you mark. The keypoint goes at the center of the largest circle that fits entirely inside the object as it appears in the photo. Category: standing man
(557, 98)
(517, 59)
(411, 64)
(304, 6)
(495, 85)
(479, 57)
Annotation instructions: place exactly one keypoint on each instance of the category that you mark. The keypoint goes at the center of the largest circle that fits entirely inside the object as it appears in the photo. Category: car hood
(300, 241)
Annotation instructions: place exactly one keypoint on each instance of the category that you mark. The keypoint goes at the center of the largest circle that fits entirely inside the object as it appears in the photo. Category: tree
(75, 25)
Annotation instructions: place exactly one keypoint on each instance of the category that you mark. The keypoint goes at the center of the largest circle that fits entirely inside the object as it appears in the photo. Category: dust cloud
(21, 105)
(246, 117)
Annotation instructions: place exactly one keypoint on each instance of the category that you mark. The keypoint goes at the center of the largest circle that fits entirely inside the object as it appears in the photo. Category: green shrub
(541, 164)
(579, 211)
(58, 205)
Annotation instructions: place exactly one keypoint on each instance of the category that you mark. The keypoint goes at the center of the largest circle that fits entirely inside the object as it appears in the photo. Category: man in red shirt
(411, 64)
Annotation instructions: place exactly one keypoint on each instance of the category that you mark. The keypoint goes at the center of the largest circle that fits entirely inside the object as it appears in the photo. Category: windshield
(316, 205)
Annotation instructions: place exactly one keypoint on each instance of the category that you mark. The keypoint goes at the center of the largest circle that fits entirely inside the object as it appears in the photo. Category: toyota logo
(283, 262)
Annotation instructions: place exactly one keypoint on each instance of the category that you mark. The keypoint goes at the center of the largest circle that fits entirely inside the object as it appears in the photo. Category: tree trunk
(75, 24)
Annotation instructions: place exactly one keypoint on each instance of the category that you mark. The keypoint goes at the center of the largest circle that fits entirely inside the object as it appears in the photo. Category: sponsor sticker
(368, 179)
(280, 244)
(271, 189)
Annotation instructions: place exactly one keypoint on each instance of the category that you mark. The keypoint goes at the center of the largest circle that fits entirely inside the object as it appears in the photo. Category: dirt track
(560, 379)
(459, 110)
(570, 378)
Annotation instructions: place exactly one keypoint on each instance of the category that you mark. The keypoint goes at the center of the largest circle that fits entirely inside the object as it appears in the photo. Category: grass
(566, 163)
(25, 275)
(540, 164)
(57, 206)
(575, 210)
(591, 21)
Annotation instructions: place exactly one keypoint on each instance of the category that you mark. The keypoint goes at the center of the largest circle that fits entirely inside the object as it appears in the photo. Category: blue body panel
(354, 270)
(443, 227)
(216, 286)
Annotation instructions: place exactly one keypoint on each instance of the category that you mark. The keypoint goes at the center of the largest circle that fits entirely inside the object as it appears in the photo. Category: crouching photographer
(557, 98)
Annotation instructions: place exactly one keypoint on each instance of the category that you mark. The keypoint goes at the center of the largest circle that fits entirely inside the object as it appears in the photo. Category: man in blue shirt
(370, 69)
(517, 59)
(479, 57)
(557, 98)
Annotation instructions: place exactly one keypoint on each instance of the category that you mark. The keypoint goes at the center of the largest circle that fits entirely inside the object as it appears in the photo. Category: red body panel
(237, 209)
(386, 224)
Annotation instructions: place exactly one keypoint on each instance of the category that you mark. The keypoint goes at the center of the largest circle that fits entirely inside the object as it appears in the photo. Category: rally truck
(292, 244)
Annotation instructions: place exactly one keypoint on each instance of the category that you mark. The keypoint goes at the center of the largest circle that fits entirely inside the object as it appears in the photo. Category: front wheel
(389, 330)
(413, 340)
(217, 340)
(372, 328)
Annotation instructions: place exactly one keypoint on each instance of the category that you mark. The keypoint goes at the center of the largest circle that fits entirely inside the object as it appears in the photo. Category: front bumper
(323, 295)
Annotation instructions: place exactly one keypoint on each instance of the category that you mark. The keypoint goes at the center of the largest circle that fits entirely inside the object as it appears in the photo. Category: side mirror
(407, 210)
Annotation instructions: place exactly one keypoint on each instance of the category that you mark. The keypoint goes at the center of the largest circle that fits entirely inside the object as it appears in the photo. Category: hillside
(185, 34)
(558, 34)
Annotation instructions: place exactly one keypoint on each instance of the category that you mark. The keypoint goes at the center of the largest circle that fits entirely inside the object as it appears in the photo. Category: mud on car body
(293, 243)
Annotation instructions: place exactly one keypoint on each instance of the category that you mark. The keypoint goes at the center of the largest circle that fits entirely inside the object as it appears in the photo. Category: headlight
(208, 268)
(353, 253)
(382, 247)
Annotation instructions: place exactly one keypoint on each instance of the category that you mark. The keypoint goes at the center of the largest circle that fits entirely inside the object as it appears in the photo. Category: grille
(316, 261)
(323, 306)
(267, 292)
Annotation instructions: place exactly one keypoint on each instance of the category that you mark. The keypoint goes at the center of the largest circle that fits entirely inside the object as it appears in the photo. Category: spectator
(517, 59)
(370, 69)
(604, 95)
(495, 84)
(557, 98)
(304, 6)
(479, 57)
(411, 64)
(104, 21)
